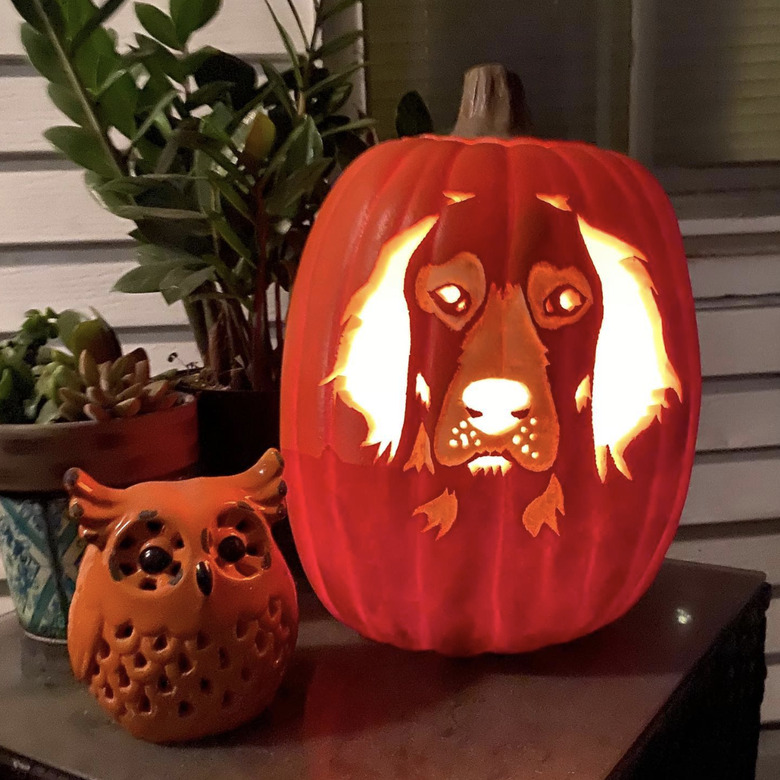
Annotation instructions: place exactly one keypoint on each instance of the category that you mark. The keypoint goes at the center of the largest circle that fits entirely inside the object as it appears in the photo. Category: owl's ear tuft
(92, 505)
(263, 486)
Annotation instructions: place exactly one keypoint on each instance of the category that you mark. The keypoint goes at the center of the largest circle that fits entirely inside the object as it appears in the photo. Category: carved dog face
(468, 350)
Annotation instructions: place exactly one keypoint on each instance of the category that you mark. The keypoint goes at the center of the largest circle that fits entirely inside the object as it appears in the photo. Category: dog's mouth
(489, 464)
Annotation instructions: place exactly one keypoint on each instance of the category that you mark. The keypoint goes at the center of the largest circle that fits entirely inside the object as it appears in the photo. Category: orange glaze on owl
(185, 614)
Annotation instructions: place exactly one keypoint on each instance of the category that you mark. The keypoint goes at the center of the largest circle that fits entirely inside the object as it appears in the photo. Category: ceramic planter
(40, 548)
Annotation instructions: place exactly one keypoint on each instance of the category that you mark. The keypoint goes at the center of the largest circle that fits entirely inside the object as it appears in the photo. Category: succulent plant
(119, 388)
(88, 380)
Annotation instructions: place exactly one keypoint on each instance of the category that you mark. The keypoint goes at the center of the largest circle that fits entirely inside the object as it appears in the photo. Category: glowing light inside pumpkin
(489, 463)
(570, 299)
(632, 372)
(422, 390)
(457, 197)
(582, 394)
(372, 362)
(494, 403)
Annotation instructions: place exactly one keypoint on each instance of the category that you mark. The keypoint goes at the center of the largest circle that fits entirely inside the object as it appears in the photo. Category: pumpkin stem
(493, 104)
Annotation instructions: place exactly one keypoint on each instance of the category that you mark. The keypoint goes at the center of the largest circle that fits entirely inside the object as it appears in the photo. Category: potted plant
(221, 170)
(68, 397)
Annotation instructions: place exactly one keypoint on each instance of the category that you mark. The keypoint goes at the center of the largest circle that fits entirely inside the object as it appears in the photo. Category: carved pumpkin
(490, 392)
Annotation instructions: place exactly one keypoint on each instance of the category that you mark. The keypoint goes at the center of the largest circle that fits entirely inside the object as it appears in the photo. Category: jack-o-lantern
(490, 392)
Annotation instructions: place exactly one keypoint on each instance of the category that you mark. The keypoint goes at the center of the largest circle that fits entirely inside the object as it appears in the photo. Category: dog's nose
(495, 406)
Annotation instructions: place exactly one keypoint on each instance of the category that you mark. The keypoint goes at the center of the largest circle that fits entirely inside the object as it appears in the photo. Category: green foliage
(221, 170)
(34, 371)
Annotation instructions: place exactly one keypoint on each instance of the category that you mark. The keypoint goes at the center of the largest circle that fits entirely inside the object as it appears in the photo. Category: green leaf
(306, 146)
(145, 278)
(288, 45)
(66, 101)
(335, 8)
(209, 94)
(155, 116)
(231, 237)
(43, 55)
(82, 147)
(335, 45)
(231, 195)
(117, 104)
(334, 80)
(412, 116)
(155, 253)
(98, 18)
(358, 124)
(158, 212)
(221, 66)
(191, 15)
(158, 24)
(278, 87)
(28, 10)
(179, 284)
(287, 193)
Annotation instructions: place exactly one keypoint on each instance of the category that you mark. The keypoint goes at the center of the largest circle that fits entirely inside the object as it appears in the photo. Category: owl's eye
(154, 560)
(232, 549)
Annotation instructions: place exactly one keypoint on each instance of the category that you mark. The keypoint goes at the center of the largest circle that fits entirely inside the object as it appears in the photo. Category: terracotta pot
(39, 546)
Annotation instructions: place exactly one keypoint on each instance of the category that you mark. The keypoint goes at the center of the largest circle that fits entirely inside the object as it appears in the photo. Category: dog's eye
(563, 301)
(451, 298)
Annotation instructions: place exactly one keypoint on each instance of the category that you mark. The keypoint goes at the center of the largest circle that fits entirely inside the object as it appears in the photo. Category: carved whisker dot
(144, 705)
(246, 674)
(122, 676)
(108, 692)
(453, 443)
(205, 685)
(185, 709)
(185, 664)
(534, 455)
(515, 440)
(463, 424)
(160, 643)
(163, 684)
(525, 449)
(242, 627)
(140, 661)
(178, 542)
(227, 698)
(202, 640)
(148, 584)
(103, 650)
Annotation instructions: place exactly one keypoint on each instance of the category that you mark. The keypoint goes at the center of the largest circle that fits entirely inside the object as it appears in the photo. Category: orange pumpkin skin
(523, 260)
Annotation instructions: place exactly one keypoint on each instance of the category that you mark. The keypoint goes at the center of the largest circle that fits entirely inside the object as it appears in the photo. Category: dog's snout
(495, 406)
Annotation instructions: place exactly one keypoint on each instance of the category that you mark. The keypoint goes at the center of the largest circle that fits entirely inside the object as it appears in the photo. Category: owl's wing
(84, 621)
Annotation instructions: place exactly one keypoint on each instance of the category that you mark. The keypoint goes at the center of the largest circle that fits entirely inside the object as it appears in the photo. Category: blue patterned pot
(40, 550)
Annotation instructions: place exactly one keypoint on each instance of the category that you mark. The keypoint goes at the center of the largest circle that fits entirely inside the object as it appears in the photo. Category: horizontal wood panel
(770, 709)
(715, 277)
(53, 207)
(757, 552)
(727, 487)
(79, 285)
(740, 414)
(25, 112)
(740, 341)
(32, 194)
(242, 26)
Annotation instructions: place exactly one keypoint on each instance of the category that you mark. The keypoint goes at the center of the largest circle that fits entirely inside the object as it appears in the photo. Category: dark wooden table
(671, 690)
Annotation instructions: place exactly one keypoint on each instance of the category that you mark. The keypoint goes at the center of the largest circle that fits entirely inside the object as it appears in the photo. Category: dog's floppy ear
(632, 372)
(372, 362)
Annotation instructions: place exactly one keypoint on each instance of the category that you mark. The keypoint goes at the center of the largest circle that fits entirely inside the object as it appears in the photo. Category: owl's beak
(204, 578)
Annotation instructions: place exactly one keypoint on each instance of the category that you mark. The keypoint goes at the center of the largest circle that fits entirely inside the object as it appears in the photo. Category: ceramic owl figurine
(185, 614)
